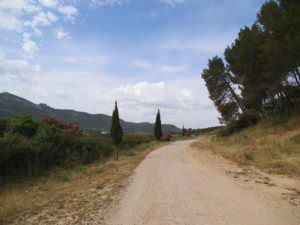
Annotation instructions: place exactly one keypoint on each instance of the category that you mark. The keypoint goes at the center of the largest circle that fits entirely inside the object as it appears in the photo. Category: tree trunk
(117, 153)
(242, 107)
(296, 78)
(297, 72)
(287, 97)
(284, 101)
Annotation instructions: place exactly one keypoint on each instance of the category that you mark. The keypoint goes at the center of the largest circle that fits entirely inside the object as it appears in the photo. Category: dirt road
(175, 185)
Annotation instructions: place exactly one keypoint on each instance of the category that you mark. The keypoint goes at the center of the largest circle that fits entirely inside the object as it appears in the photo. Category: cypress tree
(116, 131)
(183, 131)
(157, 127)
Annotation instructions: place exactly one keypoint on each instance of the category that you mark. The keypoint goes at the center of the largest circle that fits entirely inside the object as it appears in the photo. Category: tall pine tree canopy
(116, 130)
(157, 127)
(263, 62)
(218, 83)
(247, 66)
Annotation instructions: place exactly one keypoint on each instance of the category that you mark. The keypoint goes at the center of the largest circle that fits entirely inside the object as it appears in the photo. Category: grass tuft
(61, 176)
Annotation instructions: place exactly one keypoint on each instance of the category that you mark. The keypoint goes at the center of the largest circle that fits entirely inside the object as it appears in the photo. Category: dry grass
(70, 196)
(270, 145)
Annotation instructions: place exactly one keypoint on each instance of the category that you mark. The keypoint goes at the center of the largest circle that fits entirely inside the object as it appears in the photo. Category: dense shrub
(22, 125)
(237, 125)
(45, 132)
(29, 148)
(55, 150)
(17, 156)
(133, 140)
(21, 156)
(2, 126)
(91, 148)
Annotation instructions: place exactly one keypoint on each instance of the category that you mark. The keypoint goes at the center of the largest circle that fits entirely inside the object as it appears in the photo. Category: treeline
(260, 76)
(198, 131)
(29, 147)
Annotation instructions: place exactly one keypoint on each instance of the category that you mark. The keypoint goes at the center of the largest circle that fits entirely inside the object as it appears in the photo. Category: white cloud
(213, 43)
(173, 69)
(61, 34)
(143, 64)
(28, 46)
(18, 6)
(178, 100)
(41, 19)
(160, 68)
(86, 59)
(51, 17)
(17, 69)
(9, 22)
(174, 2)
(49, 3)
(11, 11)
(70, 12)
(96, 3)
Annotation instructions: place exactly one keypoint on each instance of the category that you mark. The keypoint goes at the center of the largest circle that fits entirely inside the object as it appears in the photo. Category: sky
(146, 54)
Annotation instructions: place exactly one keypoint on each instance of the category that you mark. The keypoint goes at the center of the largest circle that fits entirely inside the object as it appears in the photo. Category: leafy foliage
(219, 86)
(2, 126)
(263, 62)
(133, 140)
(22, 125)
(30, 148)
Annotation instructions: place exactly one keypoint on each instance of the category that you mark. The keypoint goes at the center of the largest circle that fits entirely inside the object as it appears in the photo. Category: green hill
(12, 105)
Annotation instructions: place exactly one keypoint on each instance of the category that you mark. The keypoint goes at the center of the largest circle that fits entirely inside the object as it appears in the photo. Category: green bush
(3, 125)
(45, 132)
(93, 148)
(236, 125)
(17, 157)
(29, 148)
(22, 125)
(54, 151)
(133, 140)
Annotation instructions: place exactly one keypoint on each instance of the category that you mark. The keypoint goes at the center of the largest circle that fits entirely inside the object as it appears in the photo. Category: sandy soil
(177, 184)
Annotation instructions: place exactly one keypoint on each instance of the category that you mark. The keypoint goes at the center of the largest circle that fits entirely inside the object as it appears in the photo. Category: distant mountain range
(12, 105)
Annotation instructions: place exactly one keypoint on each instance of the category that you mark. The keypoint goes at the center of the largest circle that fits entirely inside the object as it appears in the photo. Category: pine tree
(116, 131)
(218, 83)
(157, 127)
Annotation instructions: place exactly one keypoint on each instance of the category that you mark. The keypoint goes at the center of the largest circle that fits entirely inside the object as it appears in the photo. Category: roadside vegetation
(272, 145)
(30, 148)
(71, 195)
(54, 168)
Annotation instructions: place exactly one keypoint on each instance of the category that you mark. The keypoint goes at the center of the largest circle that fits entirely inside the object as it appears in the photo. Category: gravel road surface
(173, 187)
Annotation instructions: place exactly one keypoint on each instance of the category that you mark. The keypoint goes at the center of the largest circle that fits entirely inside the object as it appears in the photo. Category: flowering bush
(166, 137)
(63, 127)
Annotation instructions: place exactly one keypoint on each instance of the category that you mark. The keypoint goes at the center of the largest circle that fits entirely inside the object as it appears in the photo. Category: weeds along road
(173, 186)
